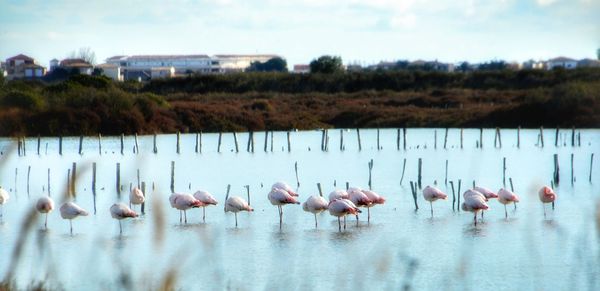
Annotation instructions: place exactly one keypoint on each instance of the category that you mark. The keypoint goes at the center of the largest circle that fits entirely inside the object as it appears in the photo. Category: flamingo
(489, 194)
(547, 195)
(45, 205)
(70, 211)
(375, 199)
(342, 207)
(506, 197)
(207, 199)
(236, 204)
(359, 198)
(3, 199)
(136, 196)
(285, 187)
(279, 198)
(120, 211)
(432, 194)
(338, 194)
(183, 202)
(474, 202)
(315, 205)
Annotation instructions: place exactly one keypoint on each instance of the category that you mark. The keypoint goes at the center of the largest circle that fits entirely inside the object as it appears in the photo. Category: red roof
(20, 57)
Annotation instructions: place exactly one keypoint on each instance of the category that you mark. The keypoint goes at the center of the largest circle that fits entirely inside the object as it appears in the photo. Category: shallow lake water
(400, 247)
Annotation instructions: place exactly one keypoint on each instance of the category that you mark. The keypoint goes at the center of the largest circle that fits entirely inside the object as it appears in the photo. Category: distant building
(588, 63)
(561, 62)
(301, 69)
(236, 63)
(112, 71)
(54, 63)
(533, 65)
(162, 72)
(77, 65)
(431, 66)
(22, 66)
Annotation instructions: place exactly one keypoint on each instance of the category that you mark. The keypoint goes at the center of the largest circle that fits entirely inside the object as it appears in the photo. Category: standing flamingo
(120, 211)
(236, 204)
(359, 199)
(279, 198)
(315, 205)
(136, 196)
(70, 211)
(375, 199)
(474, 202)
(506, 197)
(547, 195)
(341, 208)
(207, 199)
(285, 187)
(183, 202)
(432, 194)
(3, 199)
(45, 205)
(489, 194)
(338, 194)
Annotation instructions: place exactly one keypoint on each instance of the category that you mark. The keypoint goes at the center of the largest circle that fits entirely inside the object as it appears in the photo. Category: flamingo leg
(515, 205)
(180, 218)
(344, 221)
(120, 228)
(357, 220)
(368, 215)
(544, 205)
(235, 219)
(71, 224)
(431, 206)
(552, 205)
(316, 224)
(185, 215)
(203, 214)
(482, 214)
(339, 224)
(46, 221)
(280, 215)
(475, 218)
(1, 211)
(505, 213)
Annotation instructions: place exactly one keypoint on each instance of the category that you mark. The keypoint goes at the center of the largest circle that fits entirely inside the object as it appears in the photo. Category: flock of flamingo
(341, 203)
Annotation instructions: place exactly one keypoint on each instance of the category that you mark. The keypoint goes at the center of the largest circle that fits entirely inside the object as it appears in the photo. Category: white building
(236, 63)
(561, 62)
(162, 72)
(111, 71)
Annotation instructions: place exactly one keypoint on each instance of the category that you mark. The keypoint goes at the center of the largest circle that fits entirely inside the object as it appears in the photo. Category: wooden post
(519, 137)
(341, 140)
(49, 183)
(542, 135)
(137, 146)
(320, 190)
(404, 137)
(347, 185)
(378, 147)
(68, 183)
(60, 145)
(481, 138)
(143, 208)
(370, 170)
(154, 148)
(322, 139)
(266, 139)
(419, 176)
(591, 166)
(458, 194)
(289, 142)
(122, 142)
(398, 139)
(446, 138)
(461, 137)
(94, 185)
(572, 174)
(499, 136)
(219, 142)
(573, 136)
(200, 142)
(39, 141)
(172, 176)
(413, 189)
(74, 179)
(272, 137)
(296, 169)
(19, 146)
(403, 169)
(579, 139)
(435, 139)
(178, 140)
(446, 177)
(247, 192)
(504, 172)
(100, 144)
(197, 145)
(80, 144)
(453, 195)
(556, 136)
(237, 149)
(358, 136)
(556, 170)
(248, 142)
(118, 183)
(28, 174)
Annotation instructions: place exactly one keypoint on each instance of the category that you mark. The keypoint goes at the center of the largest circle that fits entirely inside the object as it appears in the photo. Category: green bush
(22, 99)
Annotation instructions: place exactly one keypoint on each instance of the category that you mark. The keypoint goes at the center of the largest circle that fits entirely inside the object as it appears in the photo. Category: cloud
(545, 2)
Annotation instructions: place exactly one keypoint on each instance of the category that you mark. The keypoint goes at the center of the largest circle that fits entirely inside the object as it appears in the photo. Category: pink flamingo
(70, 211)
(183, 202)
(489, 194)
(341, 208)
(45, 205)
(547, 195)
(506, 197)
(285, 187)
(359, 199)
(338, 194)
(136, 196)
(279, 198)
(315, 205)
(236, 204)
(474, 202)
(3, 199)
(432, 194)
(120, 211)
(375, 199)
(207, 199)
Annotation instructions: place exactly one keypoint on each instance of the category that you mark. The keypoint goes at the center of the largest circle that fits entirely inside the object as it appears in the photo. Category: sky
(360, 31)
